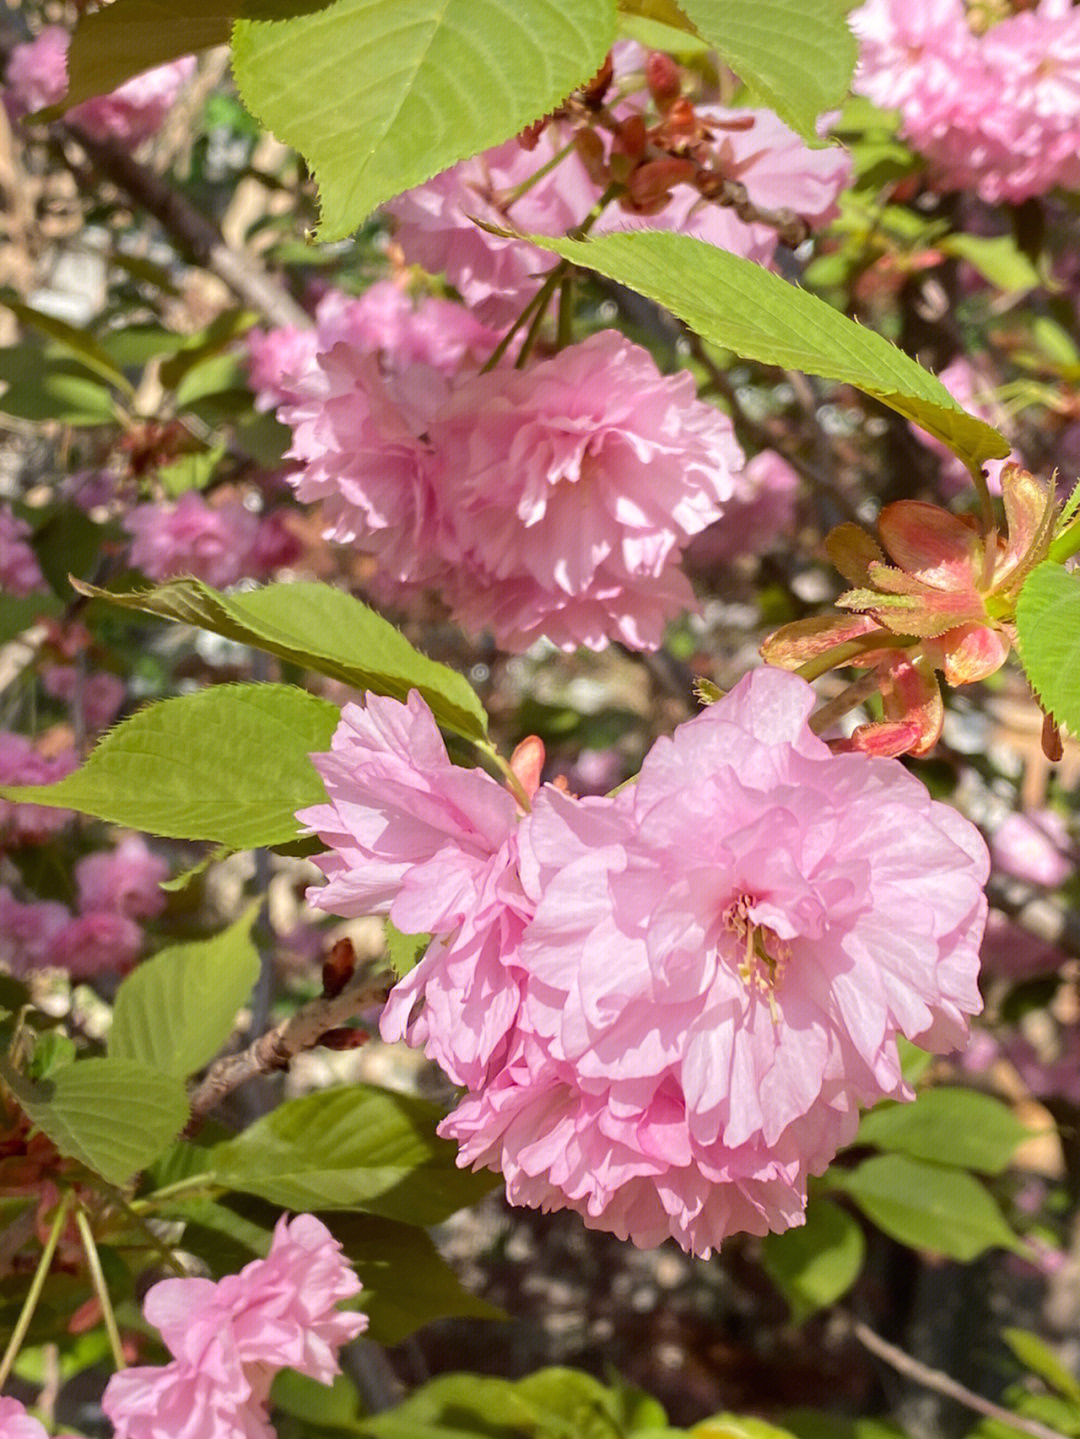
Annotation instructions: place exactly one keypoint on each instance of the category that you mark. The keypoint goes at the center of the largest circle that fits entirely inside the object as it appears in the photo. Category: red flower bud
(663, 78)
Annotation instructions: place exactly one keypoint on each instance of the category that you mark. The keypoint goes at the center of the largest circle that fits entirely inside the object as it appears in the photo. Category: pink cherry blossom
(98, 696)
(759, 514)
(1034, 846)
(495, 276)
(27, 932)
(36, 76)
(230, 1338)
(96, 942)
(22, 763)
(433, 846)
(15, 1423)
(574, 486)
(20, 573)
(1011, 952)
(276, 359)
(192, 537)
(126, 880)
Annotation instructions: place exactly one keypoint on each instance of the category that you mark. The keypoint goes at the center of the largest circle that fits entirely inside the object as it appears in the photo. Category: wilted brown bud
(590, 149)
(593, 93)
(338, 967)
(343, 1038)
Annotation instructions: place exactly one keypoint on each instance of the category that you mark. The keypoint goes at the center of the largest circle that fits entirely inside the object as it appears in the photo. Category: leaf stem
(849, 651)
(1066, 544)
(513, 784)
(101, 1289)
(540, 298)
(22, 1324)
(511, 197)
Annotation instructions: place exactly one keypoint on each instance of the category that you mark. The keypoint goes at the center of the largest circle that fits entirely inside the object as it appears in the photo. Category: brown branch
(944, 1384)
(276, 1049)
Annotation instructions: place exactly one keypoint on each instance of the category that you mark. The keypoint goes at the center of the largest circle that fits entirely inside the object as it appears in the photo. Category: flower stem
(847, 700)
(22, 1324)
(101, 1289)
(539, 302)
(513, 784)
(565, 333)
(850, 650)
(512, 196)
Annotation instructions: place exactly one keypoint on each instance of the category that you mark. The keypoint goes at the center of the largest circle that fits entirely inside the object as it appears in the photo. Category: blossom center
(765, 954)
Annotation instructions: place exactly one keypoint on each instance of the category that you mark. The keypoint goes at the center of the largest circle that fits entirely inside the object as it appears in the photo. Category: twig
(944, 1384)
(276, 1049)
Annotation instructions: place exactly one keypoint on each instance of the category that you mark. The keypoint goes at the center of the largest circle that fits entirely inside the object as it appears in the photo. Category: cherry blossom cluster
(36, 76)
(554, 500)
(997, 113)
(116, 889)
(20, 573)
(219, 543)
(230, 1338)
(667, 1037)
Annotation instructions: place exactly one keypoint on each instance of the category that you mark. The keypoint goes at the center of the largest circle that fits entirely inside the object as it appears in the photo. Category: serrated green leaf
(19, 612)
(997, 258)
(407, 1283)
(958, 1127)
(229, 764)
(404, 951)
(355, 1148)
(815, 1265)
(323, 629)
(927, 1207)
(113, 1115)
(379, 97)
(733, 303)
(1048, 626)
(796, 56)
(177, 1009)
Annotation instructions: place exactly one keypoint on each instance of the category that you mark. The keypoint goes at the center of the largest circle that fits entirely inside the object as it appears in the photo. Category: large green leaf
(113, 1115)
(46, 384)
(816, 1264)
(81, 344)
(229, 764)
(959, 1127)
(796, 56)
(407, 1283)
(19, 612)
(377, 97)
(736, 304)
(176, 1010)
(928, 1207)
(1048, 624)
(323, 629)
(355, 1148)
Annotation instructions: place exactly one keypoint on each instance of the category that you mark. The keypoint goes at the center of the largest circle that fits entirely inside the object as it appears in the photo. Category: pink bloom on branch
(192, 537)
(15, 1423)
(760, 514)
(574, 486)
(27, 932)
(230, 1338)
(21, 763)
(126, 880)
(98, 696)
(1034, 846)
(96, 942)
(36, 76)
(20, 573)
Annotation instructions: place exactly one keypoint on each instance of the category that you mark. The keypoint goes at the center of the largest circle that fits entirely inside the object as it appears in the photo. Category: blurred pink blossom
(125, 880)
(96, 942)
(21, 763)
(968, 388)
(1011, 952)
(36, 76)
(192, 537)
(15, 1423)
(1035, 846)
(27, 932)
(98, 695)
(230, 1338)
(1049, 1073)
(760, 514)
(20, 573)
(574, 486)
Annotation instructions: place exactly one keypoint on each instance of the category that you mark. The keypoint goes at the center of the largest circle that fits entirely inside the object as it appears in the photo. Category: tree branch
(276, 1049)
(934, 1379)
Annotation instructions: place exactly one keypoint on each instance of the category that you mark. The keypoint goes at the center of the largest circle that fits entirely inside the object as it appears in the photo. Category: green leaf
(459, 1406)
(958, 1127)
(190, 472)
(736, 304)
(82, 345)
(407, 1283)
(377, 97)
(404, 951)
(229, 764)
(1037, 1356)
(1048, 625)
(796, 56)
(176, 1010)
(318, 1406)
(45, 385)
(354, 1148)
(737, 1426)
(817, 1264)
(922, 1205)
(323, 629)
(113, 1115)
(997, 258)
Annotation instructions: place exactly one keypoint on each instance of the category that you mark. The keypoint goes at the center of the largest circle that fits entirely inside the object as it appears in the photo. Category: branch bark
(276, 1049)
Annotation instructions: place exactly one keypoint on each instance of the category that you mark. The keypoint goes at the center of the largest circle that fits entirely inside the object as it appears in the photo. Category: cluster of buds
(641, 163)
(945, 605)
